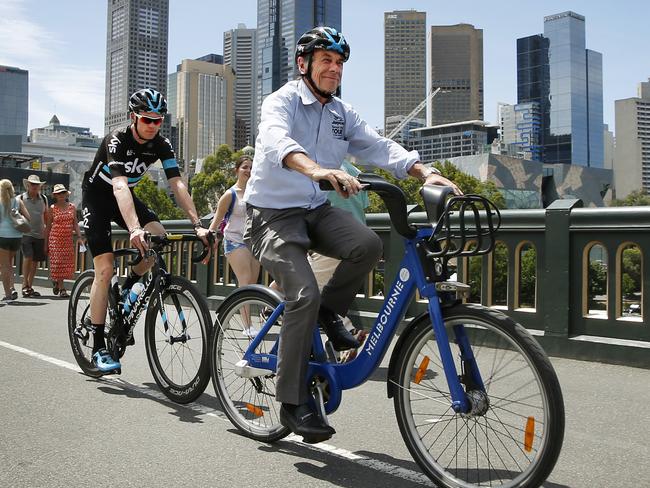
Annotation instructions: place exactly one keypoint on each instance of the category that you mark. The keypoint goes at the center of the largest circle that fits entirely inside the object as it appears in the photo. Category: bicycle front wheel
(176, 339)
(249, 403)
(514, 435)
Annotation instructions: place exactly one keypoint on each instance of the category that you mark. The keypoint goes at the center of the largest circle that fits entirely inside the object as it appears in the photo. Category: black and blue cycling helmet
(322, 38)
(148, 100)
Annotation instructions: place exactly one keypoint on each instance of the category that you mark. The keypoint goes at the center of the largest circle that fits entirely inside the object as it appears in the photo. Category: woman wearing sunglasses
(120, 163)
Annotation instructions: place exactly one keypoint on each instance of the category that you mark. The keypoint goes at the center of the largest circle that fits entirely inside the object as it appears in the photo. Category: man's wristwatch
(197, 225)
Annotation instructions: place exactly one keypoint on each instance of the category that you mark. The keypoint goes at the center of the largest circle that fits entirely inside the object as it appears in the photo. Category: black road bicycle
(176, 329)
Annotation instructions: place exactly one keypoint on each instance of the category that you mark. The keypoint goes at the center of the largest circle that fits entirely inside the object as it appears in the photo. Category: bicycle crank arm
(245, 371)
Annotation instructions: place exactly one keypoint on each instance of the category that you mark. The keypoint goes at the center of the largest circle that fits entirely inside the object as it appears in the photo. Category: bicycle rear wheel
(249, 403)
(177, 350)
(81, 337)
(514, 439)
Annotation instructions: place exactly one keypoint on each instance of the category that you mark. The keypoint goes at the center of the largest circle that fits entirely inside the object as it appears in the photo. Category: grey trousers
(280, 239)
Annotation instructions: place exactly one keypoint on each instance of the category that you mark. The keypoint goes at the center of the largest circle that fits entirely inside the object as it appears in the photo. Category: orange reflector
(529, 434)
(421, 370)
(257, 411)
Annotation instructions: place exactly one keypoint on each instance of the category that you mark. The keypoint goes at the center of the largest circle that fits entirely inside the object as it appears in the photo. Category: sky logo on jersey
(112, 144)
(135, 167)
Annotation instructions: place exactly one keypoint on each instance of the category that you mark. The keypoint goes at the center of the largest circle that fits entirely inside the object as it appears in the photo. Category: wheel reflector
(421, 370)
(529, 434)
(257, 411)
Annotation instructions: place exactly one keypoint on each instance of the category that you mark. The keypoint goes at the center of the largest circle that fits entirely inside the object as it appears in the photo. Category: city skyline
(66, 57)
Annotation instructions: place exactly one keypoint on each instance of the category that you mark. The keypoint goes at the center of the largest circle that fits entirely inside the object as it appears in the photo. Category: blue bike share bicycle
(476, 398)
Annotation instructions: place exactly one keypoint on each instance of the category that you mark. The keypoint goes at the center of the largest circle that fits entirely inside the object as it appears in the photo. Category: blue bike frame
(351, 374)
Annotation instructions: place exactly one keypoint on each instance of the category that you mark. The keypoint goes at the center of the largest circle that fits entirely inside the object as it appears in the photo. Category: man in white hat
(33, 243)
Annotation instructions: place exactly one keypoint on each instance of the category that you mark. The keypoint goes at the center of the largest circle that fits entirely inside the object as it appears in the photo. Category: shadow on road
(149, 391)
(340, 471)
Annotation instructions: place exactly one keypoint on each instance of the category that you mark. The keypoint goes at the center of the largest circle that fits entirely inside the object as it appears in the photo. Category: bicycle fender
(403, 339)
(258, 288)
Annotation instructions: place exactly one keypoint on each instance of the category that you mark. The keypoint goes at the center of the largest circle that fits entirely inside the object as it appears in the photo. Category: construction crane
(416, 110)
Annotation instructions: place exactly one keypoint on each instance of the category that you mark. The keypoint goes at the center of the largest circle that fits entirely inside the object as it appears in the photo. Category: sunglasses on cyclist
(150, 120)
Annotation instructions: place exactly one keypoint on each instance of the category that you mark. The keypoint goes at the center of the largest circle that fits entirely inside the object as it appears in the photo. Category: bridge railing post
(556, 282)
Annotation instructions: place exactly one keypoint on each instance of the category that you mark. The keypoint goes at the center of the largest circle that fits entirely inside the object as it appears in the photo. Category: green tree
(411, 187)
(636, 198)
(528, 277)
(631, 279)
(215, 177)
(157, 200)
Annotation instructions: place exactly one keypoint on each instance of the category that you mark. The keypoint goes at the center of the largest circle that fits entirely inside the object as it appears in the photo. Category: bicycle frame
(345, 376)
(155, 281)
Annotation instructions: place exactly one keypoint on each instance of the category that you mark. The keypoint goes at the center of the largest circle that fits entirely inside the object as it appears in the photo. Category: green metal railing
(559, 311)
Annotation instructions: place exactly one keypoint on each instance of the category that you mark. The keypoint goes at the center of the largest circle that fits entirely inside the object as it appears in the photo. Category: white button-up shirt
(293, 120)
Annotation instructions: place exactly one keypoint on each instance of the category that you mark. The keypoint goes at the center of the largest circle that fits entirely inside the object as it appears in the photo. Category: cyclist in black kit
(120, 163)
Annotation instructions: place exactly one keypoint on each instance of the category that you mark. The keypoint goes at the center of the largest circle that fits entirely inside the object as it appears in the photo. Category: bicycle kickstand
(319, 399)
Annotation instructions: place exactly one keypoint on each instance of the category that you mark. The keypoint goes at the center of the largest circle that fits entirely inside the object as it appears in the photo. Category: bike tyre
(519, 348)
(249, 410)
(78, 310)
(179, 385)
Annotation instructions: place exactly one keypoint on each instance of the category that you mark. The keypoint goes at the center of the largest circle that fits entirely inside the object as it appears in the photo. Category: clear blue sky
(63, 43)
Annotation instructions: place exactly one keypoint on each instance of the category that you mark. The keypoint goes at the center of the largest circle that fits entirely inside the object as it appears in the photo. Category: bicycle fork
(184, 336)
(472, 399)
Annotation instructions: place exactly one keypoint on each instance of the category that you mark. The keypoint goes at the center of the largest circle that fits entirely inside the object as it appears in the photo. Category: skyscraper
(632, 153)
(405, 71)
(280, 23)
(204, 101)
(555, 70)
(239, 53)
(136, 54)
(14, 97)
(456, 68)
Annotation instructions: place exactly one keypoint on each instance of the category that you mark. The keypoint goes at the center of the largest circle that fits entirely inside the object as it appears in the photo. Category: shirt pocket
(331, 153)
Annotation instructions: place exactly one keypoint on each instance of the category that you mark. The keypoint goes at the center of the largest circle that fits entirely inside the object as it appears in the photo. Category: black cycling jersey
(121, 155)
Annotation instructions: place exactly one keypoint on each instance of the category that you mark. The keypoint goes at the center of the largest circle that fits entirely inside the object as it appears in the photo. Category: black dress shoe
(302, 420)
(336, 332)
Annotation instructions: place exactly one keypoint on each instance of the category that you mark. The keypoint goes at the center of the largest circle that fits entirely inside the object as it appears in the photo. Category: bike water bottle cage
(463, 225)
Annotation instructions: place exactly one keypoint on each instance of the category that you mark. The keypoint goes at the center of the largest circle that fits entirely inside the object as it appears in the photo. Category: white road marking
(375, 464)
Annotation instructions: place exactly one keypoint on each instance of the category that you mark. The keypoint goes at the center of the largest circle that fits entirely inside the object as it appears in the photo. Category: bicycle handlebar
(158, 242)
(440, 204)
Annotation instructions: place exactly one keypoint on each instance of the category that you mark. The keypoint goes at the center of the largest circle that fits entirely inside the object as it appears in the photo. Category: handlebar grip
(206, 249)
(325, 185)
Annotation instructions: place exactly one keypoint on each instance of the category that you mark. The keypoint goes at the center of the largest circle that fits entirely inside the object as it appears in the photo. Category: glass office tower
(14, 97)
(557, 71)
(280, 23)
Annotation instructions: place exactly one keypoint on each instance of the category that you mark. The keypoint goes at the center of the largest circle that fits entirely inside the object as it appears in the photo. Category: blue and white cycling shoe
(104, 362)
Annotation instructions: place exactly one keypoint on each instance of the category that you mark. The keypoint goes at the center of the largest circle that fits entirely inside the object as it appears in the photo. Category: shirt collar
(305, 93)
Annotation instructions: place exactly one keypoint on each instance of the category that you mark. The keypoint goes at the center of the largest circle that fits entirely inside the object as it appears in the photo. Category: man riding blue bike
(122, 160)
(304, 134)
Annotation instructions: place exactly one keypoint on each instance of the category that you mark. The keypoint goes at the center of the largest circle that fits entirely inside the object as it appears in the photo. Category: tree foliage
(215, 177)
(157, 200)
(636, 198)
(411, 187)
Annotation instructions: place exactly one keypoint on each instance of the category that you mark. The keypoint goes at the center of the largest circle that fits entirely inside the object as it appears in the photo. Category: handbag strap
(232, 204)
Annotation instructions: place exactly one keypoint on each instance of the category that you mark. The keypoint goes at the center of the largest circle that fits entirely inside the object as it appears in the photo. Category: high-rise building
(280, 23)
(136, 55)
(520, 130)
(204, 105)
(632, 152)
(405, 71)
(239, 53)
(457, 68)
(557, 71)
(14, 102)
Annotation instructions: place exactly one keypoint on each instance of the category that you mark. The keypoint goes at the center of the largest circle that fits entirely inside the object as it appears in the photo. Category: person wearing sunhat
(60, 244)
(33, 243)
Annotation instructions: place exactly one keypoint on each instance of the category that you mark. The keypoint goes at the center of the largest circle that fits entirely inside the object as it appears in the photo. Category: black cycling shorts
(99, 209)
